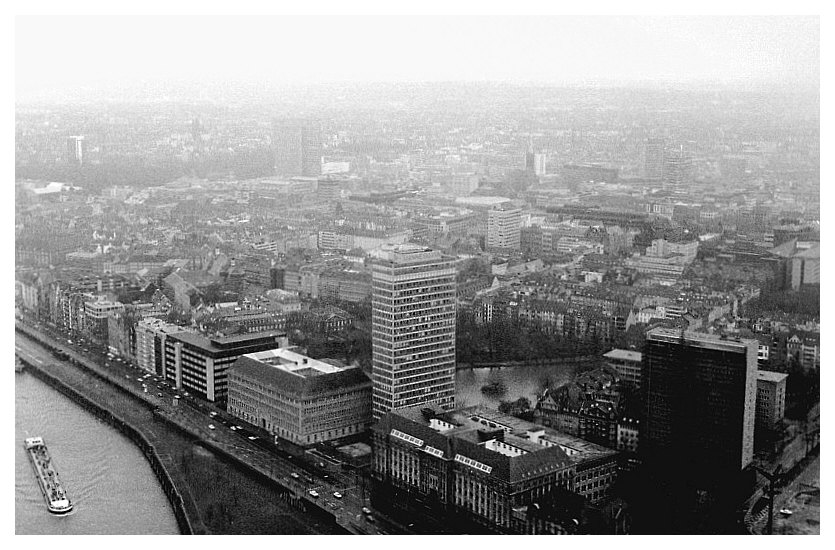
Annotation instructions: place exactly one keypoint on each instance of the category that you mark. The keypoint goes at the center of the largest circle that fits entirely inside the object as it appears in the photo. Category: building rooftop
(482, 201)
(487, 440)
(293, 373)
(770, 376)
(295, 363)
(223, 343)
(700, 339)
(624, 355)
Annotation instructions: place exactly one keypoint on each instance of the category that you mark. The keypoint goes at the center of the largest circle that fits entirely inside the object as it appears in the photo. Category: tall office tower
(530, 158)
(654, 158)
(539, 161)
(503, 228)
(75, 150)
(297, 145)
(700, 395)
(530, 162)
(197, 138)
(678, 167)
(412, 328)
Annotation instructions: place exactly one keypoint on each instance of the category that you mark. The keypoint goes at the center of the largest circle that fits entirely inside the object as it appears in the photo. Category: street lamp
(772, 478)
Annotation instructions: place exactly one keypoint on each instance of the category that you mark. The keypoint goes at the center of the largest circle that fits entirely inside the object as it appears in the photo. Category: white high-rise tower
(413, 328)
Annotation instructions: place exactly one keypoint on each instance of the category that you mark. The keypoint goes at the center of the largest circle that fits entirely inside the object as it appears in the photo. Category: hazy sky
(55, 53)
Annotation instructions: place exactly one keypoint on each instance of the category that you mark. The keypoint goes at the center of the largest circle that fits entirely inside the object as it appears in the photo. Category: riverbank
(234, 502)
(184, 510)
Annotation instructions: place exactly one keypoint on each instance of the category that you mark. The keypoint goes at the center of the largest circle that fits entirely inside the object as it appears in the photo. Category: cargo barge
(54, 494)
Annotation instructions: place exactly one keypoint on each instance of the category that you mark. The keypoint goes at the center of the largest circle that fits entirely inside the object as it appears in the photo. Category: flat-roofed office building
(700, 399)
(297, 398)
(771, 398)
(199, 364)
(413, 328)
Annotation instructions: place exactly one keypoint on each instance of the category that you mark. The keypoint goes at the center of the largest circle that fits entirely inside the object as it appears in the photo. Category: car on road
(337, 494)
(313, 493)
(252, 438)
(294, 475)
(233, 428)
(159, 395)
(213, 414)
(365, 510)
(211, 426)
(786, 511)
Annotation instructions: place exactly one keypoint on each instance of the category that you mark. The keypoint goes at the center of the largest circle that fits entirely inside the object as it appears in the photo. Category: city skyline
(423, 275)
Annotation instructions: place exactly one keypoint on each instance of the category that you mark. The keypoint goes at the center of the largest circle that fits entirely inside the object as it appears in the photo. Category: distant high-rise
(530, 162)
(700, 396)
(197, 137)
(75, 150)
(654, 159)
(504, 228)
(297, 145)
(530, 159)
(329, 188)
(678, 167)
(539, 162)
(412, 328)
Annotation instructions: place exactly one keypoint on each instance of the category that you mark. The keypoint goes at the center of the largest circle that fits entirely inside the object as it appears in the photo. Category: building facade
(678, 167)
(297, 398)
(482, 464)
(199, 364)
(96, 314)
(627, 364)
(297, 145)
(700, 400)
(150, 343)
(413, 328)
(504, 228)
(654, 159)
(771, 398)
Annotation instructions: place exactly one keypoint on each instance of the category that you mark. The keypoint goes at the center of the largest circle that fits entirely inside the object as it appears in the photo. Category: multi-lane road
(214, 427)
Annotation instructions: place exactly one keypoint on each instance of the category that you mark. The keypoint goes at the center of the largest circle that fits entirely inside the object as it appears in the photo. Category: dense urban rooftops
(492, 442)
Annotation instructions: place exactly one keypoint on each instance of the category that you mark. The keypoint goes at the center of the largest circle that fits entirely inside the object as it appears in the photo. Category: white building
(150, 343)
(504, 228)
(413, 328)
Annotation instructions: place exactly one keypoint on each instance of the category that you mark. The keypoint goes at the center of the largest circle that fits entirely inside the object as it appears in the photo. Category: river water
(110, 482)
(520, 382)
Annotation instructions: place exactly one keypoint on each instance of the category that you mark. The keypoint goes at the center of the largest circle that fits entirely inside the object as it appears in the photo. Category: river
(519, 381)
(107, 477)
